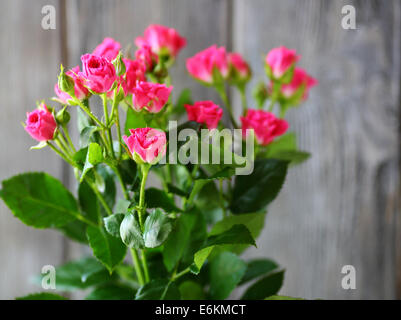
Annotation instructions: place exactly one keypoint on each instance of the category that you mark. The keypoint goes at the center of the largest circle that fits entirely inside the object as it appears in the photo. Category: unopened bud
(65, 82)
(63, 116)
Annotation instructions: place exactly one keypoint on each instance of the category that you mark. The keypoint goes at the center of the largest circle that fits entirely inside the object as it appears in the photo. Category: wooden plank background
(339, 208)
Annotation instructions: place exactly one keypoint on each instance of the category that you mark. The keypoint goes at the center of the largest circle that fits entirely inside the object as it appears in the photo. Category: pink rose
(162, 40)
(279, 60)
(239, 66)
(98, 73)
(205, 112)
(201, 65)
(265, 124)
(40, 124)
(151, 96)
(80, 91)
(135, 71)
(147, 143)
(299, 80)
(108, 49)
(145, 54)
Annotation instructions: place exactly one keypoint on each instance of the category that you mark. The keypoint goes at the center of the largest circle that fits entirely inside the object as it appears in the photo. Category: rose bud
(205, 112)
(146, 145)
(98, 73)
(135, 71)
(151, 96)
(300, 85)
(201, 65)
(240, 69)
(279, 61)
(162, 40)
(40, 124)
(148, 57)
(79, 90)
(265, 124)
(108, 49)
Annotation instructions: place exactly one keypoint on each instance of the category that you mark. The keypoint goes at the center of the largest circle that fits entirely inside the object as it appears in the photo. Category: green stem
(221, 194)
(122, 184)
(66, 153)
(224, 97)
(145, 171)
(145, 266)
(102, 200)
(67, 135)
(90, 114)
(243, 99)
(271, 105)
(118, 128)
(198, 185)
(138, 270)
(180, 274)
(108, 130)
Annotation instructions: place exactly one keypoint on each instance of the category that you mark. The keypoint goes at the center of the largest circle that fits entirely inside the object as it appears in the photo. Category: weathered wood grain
(29, 63)
(341, 207)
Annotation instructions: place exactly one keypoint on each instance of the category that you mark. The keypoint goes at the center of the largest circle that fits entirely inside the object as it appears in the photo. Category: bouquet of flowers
(184, 237)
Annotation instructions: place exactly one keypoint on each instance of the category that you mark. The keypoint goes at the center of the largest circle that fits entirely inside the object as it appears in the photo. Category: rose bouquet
(184, 237)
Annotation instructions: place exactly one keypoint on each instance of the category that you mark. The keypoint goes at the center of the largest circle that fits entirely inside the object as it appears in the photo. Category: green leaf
(265, 287)
(226, 271)
(254, 192)
(156, 198)
(225, 173)
(157, 228)
(112, 292)
(187, 237)
(285, 148)
(39, 200)
(295, 156)
(93, 157)
(253, 221)
(112, 224)
(287, 142)
(122, 205)
(129, 172)
(174, 190)
(88, 202)
(86, 135)
(282, 298)
(83, 120)
(258, 267)
(107, 249)
(130, 232)
(79, 274)
(109, 192)
(237, 234)
(159, 289)
(208, 202)
(191, 290)
(75, 230)
(134, 120)
(42, 296)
